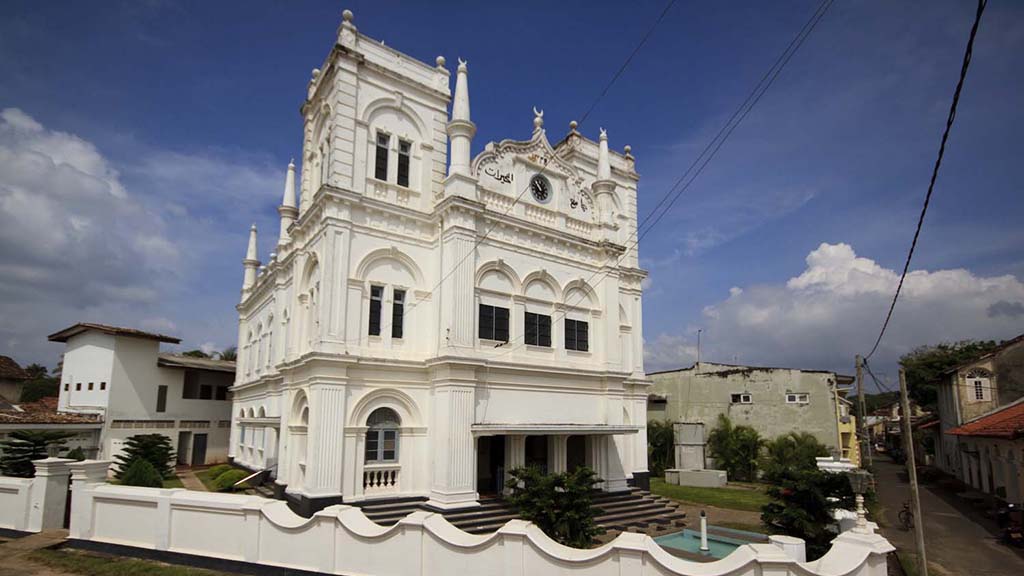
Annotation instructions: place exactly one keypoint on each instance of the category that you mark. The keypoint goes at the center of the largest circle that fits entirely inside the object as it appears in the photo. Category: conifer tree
(154, 448)
(21, 447)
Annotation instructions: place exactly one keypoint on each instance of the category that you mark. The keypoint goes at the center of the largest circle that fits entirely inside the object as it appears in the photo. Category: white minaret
(460, 128)
(604, 188)
(251, 263)
(287, 209)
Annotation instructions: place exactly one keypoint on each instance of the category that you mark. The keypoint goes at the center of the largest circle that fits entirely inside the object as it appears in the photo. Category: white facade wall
(451, 243)
(88, 363)
(127, 379)
(341, 540)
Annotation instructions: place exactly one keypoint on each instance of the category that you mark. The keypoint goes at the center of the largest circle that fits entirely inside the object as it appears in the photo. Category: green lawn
(749, 497)
(89, 564)
(173, 482)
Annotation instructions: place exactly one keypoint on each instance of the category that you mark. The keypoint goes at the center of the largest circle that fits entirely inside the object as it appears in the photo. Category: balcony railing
(379, 479)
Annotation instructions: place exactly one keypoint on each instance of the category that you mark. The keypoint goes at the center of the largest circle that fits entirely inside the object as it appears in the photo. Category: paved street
(956, 543)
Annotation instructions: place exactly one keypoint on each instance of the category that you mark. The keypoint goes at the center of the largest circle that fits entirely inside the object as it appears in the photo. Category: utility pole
(699, 330)
(865, 446)
(915, 494)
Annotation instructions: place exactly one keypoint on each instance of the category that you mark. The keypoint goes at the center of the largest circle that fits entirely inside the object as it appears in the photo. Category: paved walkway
(13, 554)
(189, 480)
(957, 539)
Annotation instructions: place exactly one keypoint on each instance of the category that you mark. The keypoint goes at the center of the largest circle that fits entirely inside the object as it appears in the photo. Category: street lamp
(860, 481)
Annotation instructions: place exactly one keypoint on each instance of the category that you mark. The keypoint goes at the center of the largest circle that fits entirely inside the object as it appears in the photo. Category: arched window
(382, 436)
(979, 383)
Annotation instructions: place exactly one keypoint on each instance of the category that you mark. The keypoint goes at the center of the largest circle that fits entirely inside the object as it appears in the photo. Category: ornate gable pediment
(507, 167)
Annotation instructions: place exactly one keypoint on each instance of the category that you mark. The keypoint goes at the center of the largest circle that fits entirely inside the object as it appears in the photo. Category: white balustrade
(379, 479)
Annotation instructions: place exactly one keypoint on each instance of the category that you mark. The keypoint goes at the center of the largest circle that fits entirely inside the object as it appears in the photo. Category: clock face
(541, 188)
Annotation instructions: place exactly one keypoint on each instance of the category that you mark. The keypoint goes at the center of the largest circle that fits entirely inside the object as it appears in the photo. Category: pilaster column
(614, 474)
(452, 446)
(49, 494)
(328, 406)
(557, 454)
(515, 457)
(610, 295)
(458, 264)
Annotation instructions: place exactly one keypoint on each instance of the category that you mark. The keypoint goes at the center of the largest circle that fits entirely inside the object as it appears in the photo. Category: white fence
(341, 540)
(35, 504)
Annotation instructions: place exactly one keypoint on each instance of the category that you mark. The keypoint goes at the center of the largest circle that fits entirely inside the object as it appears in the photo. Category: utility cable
(935, 171)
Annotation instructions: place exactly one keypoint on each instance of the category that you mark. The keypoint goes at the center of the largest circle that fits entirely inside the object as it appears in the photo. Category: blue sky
(139, 140)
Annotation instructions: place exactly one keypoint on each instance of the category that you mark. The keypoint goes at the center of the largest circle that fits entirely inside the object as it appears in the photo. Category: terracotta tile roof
(43, 412)
(81, 327)
(1007, 422)
(9, 369)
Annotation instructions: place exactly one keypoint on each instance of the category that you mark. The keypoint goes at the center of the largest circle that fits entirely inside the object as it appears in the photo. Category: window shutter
(582, 336)
(403, 162)
(544, 330)
(570, 334)
(380, 170)
(531, 329)
(397, 313)
(376, 294)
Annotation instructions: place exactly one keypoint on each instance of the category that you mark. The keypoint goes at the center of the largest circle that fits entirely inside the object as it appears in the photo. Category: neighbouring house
(886, 424)
(773, 401)
(972, 389)
(119, 376)
(12, 379)
(426, 323)
(991, 450)
(43, 415)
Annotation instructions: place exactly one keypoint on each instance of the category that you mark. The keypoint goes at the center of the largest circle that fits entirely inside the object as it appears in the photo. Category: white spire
(604, 167)
(251, 262)
(460, 128)
(460, 107)
(287, 209)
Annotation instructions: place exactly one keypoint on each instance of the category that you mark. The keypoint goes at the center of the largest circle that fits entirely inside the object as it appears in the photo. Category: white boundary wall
(35, 504)
(341, 540)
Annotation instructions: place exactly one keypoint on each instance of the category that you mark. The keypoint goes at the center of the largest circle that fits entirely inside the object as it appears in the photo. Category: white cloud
(668, 351)
(147, 242)
(835, 307)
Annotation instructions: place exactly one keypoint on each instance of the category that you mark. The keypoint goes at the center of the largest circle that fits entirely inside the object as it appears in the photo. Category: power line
(545, 161)
(628, 60)
(716, 143)
(935, 171)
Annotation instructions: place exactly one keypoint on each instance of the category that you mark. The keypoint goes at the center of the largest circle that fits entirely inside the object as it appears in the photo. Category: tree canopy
(925, 365)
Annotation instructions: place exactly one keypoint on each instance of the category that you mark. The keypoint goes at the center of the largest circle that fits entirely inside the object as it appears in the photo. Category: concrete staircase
(636, 509)
(619, 512)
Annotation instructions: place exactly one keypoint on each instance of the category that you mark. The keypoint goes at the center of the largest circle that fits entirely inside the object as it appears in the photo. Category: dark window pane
(544, 330)
(570, 334)
(397, 313)
(376, 293)
(206, 392)
(161, 398)
(222, 392)
(531, 329)
(582, 336)
(501, 324)
(388, 455)
(403, 162)
(380, 170)
(190, 391)
(486, 330)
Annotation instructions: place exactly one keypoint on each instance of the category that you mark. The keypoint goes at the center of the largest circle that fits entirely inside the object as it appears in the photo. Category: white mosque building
(427, 323)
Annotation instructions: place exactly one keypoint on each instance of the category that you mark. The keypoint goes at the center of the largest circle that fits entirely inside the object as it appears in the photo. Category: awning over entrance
(553, 429)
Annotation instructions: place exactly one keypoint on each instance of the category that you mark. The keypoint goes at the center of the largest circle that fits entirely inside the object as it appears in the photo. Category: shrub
(735, 449)
(660, 446)
(154, 448)
(217, 470)
(76, 454)
(141, 473)
(802, 506)
(559, 504)
(793, 451)
(227, 480)
(21, 447)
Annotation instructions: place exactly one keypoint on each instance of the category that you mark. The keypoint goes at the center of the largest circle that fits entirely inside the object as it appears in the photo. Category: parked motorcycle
(1011, 520)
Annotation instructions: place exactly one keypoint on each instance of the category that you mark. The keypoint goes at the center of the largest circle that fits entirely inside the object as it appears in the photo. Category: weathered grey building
(773, 401)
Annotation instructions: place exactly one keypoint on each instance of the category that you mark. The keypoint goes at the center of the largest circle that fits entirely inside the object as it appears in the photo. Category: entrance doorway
(575, 452)
(199, 449)
(537, 452)
(490, 464)
(184, 441)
